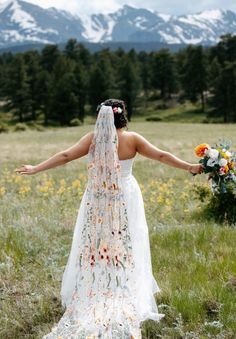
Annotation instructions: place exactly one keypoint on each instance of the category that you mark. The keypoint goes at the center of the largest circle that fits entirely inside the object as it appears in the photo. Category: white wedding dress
(130, 310)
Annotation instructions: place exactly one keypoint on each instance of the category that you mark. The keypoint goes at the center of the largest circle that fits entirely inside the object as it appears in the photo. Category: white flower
(120, 110)
(223, 162)
(212, 153)
(228, 153)
(211, 162)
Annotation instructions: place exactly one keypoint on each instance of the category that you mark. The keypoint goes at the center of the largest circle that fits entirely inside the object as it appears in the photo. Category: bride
(108, 285)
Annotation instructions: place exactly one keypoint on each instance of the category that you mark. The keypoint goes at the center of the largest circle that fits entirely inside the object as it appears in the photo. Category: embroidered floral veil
(103, 301)
(107, 213)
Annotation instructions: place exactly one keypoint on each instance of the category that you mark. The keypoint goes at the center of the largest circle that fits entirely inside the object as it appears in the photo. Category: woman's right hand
(26, 169)
(196, 169)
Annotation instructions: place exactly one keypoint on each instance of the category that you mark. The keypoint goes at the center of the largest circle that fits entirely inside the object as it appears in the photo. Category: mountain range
(23, 23)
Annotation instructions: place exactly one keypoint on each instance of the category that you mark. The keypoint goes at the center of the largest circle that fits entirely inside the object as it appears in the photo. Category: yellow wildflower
(76, 184)
(24, 189)
(2, 190)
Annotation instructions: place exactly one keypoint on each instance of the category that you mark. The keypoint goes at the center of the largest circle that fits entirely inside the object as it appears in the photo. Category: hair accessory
(118, 110)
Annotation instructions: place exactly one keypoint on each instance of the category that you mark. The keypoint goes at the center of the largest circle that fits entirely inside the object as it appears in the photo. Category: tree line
(62, 85)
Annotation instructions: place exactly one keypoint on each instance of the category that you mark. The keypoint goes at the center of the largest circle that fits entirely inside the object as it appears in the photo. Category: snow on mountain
(165, 17)
(4, 5)
(205, 27)
(98, 28)
(22, 22)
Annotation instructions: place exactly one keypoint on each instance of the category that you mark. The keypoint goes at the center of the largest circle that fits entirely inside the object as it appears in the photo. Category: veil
(103, 300)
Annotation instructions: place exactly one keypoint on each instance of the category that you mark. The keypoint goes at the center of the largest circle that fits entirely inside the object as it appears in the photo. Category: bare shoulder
(88, 137)
(132, 134)
(136, 137)
(90, 134)
(85, 141)
(129, 136)
(137, 141)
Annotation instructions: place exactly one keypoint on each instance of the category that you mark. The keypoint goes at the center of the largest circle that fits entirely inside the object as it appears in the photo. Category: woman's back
(127, 145)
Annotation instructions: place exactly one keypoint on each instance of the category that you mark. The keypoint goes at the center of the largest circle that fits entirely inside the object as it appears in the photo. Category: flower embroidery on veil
(103, 303)
(108, 243)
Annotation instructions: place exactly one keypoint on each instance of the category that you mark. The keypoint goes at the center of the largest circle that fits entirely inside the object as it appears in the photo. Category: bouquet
(219, 163)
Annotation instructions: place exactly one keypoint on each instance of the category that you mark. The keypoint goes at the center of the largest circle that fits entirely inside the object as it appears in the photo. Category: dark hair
(120, 119)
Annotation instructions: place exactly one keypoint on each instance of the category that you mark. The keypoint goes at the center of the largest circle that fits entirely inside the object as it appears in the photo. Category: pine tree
(225, 50)
(214, 71)
(225, 92)
(84, 56)
(195, 76)
(50, 55)
(32, 60)
(2, 77)
(81, 89)
(45, 87)
(18, 89)
(164, 73)
(64, 100)
(101, 83)
(145, 74)
(129, 84)
(72, 50)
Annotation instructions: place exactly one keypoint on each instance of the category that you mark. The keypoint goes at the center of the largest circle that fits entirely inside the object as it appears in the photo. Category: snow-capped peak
(165, 17)
(4, 5)
(211, 15)
(21, 17)
(22, 22)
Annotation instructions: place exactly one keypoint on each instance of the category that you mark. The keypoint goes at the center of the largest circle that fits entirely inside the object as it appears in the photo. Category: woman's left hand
(26, 169)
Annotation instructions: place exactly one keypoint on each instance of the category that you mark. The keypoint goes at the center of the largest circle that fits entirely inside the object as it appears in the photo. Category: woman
(108, 286)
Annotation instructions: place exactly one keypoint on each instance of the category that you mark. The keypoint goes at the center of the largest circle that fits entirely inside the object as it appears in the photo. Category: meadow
(194, 259)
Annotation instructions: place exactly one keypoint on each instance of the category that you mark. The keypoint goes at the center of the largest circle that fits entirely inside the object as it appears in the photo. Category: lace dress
(117, 307)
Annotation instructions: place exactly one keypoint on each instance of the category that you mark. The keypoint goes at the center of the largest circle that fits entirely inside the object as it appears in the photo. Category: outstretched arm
(145, 148)
(76, 151)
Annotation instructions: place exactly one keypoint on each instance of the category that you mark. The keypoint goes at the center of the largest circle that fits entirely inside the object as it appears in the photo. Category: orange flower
(200, 149)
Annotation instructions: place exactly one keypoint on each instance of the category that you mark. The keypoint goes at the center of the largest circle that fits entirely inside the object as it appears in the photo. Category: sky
(163, 6)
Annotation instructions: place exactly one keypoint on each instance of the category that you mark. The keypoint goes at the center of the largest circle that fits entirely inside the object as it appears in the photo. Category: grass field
(194, 259)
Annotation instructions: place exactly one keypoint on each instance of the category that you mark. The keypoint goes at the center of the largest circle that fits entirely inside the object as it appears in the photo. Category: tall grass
(194, 260)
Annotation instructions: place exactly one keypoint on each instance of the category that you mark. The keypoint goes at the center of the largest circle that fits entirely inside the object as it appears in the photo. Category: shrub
(75, 122)
(20, 127)
(37, 127)
(162, 106)
(223, 207)
(219, 206)
(4, 128)
(153, 118)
